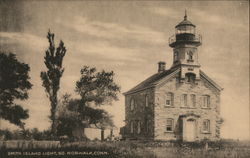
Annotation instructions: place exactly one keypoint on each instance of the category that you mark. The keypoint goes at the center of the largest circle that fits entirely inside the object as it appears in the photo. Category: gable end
(210, 81)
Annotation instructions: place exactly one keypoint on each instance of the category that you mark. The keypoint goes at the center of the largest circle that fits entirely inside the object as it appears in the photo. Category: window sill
(204, 132)
(190, 82)
(169, 106)
(188, 107)
(169, 132)
(206, 108)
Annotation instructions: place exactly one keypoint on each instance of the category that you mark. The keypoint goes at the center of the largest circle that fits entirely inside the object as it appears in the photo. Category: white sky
(130, 38)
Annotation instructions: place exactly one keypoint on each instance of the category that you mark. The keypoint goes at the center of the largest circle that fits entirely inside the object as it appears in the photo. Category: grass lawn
(137, 149)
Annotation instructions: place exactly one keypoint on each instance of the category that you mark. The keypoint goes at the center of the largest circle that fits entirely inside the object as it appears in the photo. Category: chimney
(161, 66)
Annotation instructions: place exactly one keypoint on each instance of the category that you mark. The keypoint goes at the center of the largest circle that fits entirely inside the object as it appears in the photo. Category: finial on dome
(185, 17)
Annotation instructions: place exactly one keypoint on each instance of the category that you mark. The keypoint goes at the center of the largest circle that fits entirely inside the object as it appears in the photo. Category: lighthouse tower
(185, 42)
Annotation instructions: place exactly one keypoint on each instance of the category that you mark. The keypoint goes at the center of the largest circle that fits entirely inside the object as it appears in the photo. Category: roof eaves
(211, 81)
(153, 84)
(168, 76)
(140, 84)
(138, 90)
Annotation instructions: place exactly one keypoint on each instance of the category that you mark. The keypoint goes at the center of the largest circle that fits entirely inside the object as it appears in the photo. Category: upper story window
(192, 100)
(190, 56)
(132, 104)
(206, 126)
(147, 125)
(190, 77)
(184, 100)
(205, 101)
(175, 56)
(169, 99)
(146, 101)
(138, 127)
(170, 125)
(131, 127)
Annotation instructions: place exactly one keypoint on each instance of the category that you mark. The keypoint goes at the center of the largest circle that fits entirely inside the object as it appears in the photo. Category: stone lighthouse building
(181, 103)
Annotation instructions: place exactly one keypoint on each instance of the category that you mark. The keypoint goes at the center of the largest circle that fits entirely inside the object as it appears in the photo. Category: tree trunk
(111, 134)
(102, 134)
(53, 117)
(53, 128)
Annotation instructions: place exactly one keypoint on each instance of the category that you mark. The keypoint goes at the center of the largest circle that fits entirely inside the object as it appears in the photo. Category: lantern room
(185, 27)
(185, 33)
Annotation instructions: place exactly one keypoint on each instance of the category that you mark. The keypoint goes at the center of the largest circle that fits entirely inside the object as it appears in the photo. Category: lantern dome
(184, 23)
(185, 26)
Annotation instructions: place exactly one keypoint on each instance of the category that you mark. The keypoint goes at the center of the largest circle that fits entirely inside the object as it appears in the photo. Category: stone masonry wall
(140, 113)
(162, 112)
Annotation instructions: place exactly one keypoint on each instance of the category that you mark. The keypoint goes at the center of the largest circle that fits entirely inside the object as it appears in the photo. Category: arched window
(169, 99)
(146, 101)
(170, 125)
(132, 104)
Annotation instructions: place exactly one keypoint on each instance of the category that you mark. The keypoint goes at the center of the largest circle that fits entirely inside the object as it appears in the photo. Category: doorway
(190, 130)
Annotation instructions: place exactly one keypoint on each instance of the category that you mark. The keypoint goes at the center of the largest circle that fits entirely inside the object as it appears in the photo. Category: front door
(190, 130)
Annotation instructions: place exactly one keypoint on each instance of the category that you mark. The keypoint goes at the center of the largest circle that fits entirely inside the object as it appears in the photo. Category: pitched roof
(156, 78)
(151, 81)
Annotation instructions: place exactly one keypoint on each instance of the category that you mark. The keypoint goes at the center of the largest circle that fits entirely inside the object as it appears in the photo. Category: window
(190, 77)
(170, 125)
(205, 101)
(132, 104)
(193, 100)
(131, 127)
(147, 125)
(146, 100)
(184, 100)
(206, 126)
(190, 56)
(175, 56)
(138, 127)
(169, 99)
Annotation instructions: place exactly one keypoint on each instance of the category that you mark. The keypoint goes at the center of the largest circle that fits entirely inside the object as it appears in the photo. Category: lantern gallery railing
(186, 37)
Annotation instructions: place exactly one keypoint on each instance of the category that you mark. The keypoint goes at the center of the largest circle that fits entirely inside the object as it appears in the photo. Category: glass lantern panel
(185, 29)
